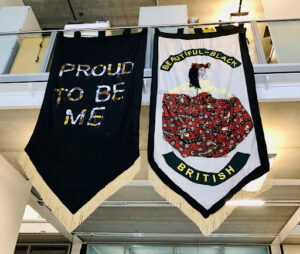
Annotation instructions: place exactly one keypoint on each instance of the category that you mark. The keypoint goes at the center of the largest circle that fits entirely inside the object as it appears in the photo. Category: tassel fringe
(213, 222)
(69, 220)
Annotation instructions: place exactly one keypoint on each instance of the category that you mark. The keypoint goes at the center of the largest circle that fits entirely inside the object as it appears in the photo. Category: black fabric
(180, 31)
(126, 31)
(78, 160)
(101, 34)
(198, 30)
(77, 34)
(251, 88)
(226, 30)
(83, 249)
(193, 75)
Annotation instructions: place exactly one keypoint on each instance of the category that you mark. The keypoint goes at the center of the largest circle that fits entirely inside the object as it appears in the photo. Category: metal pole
(172, 235)
(240, 6)
(148, 26)
(72, 11)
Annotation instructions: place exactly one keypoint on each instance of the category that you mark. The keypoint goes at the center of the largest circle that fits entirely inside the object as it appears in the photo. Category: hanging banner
(206, 140)
(85, 144)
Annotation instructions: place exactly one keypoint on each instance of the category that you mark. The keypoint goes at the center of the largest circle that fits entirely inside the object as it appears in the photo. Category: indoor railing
(274, 48)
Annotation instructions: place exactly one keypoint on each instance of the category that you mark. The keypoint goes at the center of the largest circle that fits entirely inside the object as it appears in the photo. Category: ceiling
(251, 225)
(56, 13)
(281, 120)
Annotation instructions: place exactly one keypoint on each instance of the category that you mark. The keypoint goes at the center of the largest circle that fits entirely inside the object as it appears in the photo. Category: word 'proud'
(97, 70)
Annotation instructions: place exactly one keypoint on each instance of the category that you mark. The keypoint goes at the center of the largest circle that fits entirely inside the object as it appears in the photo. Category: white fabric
(221, 76)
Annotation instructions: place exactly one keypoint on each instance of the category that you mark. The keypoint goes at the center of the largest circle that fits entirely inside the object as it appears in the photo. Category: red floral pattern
(204, 126)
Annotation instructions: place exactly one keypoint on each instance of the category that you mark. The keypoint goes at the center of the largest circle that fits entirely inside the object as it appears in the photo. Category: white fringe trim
(210, 224)
(69, 220)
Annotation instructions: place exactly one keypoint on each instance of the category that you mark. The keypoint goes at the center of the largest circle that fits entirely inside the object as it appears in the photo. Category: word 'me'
(103, 94)
(93, 120)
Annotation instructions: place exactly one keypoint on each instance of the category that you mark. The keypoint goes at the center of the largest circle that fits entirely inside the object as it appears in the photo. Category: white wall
(11, 3)
(163, 15)
(291, 249)
(14, 194)
(285, 35)
(277, 9)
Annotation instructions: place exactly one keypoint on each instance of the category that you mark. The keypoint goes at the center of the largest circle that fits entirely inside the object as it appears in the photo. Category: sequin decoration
(204, 126)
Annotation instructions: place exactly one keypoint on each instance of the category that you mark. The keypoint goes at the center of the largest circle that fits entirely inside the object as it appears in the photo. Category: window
(169, 249)
(245, 250)
(42, 249)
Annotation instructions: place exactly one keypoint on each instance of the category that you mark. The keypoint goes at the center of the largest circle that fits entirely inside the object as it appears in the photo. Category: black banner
(87, 132)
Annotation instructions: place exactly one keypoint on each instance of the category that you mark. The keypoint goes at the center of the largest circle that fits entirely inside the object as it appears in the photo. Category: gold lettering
(222, 176)
(229, 61)
(205, 177)
(172, 59)
(69, 116)
(181, 167)
(168, 63)
(59, 90)
(223, 58)
(189, 172)
(63, 68)
(94, 116)
(117, 72)
(213, 53)
(229, 170)
(102, 93)
(125, 69)
(101, 67)
(165, 67)
(83, 68)
(214, 178)
(117, 89)
(234, 63)
(80, 95)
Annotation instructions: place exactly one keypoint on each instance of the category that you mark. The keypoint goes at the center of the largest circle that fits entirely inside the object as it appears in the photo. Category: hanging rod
(148, 26)
(171, 235)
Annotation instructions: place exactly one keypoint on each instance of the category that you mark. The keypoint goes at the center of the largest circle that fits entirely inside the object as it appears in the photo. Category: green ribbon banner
(237, 162)
(230, 60)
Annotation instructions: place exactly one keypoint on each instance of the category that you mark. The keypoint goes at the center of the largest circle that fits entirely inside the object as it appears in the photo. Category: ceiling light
(245, 202)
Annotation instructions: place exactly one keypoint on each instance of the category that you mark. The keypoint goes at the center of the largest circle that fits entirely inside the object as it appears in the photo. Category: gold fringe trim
(69, 220)
(210, 224)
